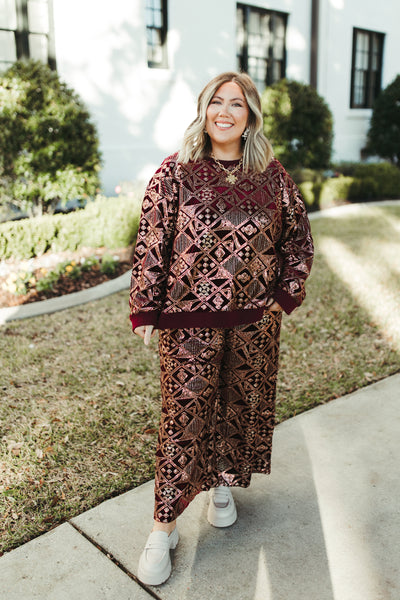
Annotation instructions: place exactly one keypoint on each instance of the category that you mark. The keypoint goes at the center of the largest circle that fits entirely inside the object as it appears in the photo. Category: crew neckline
(224, 161)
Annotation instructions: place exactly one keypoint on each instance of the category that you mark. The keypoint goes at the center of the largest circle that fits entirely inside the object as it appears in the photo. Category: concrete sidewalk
(324, 526)
(45, 307)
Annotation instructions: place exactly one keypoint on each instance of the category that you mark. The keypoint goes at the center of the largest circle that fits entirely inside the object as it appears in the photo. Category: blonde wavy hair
(257, 150)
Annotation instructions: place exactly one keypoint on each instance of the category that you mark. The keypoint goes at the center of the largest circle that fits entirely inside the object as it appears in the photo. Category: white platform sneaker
(222, 509)
(155, 562)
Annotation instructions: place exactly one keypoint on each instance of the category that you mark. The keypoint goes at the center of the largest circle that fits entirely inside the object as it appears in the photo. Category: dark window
(26, 31)
(261, 44)
(156, 30)
(366, 70)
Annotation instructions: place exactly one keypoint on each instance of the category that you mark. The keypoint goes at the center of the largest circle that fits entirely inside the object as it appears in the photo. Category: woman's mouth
(223, 125)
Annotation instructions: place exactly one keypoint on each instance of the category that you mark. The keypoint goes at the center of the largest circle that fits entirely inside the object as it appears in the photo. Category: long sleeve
(295, 248)
(153, 247)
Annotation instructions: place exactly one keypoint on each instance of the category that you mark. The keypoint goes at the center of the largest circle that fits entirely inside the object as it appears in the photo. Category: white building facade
(140, 64)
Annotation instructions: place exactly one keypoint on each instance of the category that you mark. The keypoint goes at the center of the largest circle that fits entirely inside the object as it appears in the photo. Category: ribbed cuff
(149, 317)
(284, 300)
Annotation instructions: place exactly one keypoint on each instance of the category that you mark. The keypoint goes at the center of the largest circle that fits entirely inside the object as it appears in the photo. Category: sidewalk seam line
(114, 560)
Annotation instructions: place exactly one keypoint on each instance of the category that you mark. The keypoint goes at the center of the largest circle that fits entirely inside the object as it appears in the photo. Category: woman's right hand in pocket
(274, 306)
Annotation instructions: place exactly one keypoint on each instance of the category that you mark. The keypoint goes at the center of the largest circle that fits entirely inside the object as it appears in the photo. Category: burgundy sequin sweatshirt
(210, 253)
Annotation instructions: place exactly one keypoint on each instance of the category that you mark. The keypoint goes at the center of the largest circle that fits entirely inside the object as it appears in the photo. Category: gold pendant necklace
(231, 178)
(230, 173)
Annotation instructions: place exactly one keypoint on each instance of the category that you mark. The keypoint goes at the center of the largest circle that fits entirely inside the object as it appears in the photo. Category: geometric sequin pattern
(205, 245)
(218, 409)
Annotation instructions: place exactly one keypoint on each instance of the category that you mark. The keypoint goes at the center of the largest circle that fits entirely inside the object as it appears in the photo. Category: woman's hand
(145, 332)
(275, 306)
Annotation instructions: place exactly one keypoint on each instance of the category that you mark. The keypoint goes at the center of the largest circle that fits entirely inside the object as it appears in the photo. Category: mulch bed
(66, 284)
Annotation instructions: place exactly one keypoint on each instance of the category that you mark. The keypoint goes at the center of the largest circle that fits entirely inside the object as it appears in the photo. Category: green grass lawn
(80, 393)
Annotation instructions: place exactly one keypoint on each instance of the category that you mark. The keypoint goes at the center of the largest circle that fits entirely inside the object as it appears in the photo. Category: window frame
(22, 33)
(370, 92)
(242, 60)
(162, 32)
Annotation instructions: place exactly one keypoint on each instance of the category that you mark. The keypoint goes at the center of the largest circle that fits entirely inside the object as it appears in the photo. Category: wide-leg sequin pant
(218, 409)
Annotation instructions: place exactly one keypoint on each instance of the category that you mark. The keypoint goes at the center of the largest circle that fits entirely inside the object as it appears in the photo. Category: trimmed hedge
(109, 222)
(113, 222)
(323, 194)
(355, 183)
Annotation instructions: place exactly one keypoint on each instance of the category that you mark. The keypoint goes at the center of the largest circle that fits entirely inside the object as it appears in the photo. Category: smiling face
(226, 119)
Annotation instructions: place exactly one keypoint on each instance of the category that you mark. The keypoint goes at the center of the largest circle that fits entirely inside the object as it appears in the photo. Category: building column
(314, 43)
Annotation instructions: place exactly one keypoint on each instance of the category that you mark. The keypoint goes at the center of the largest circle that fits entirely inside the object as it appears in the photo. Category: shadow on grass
(347, 333)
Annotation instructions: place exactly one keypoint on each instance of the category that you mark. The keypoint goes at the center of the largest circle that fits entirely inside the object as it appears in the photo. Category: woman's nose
(223, 109)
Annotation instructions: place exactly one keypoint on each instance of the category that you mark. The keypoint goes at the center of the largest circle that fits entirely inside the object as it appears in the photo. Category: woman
(224, 245)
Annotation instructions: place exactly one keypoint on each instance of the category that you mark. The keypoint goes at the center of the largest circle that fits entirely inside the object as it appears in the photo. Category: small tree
(384, 131)
(299, 125)
(48, 145)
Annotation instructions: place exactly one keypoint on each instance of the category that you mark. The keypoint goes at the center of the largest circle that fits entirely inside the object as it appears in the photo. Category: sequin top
(210, 253)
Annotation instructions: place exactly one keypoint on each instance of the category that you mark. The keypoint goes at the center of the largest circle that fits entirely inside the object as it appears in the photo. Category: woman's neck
(226, 153)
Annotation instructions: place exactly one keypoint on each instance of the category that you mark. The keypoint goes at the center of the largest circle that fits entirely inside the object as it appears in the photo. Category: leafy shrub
(386, 178)
(309, 182)
(307, 191)
(334, 191)
(363, 189)
(27, 237)
(372, 180)
(299, 124)
(306, 175)
(110, 222)
(384, 131)
(356, 182)
(48, 145)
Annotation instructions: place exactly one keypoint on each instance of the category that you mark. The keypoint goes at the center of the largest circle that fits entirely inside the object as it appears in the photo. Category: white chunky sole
(225, 514)
(155, 561)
